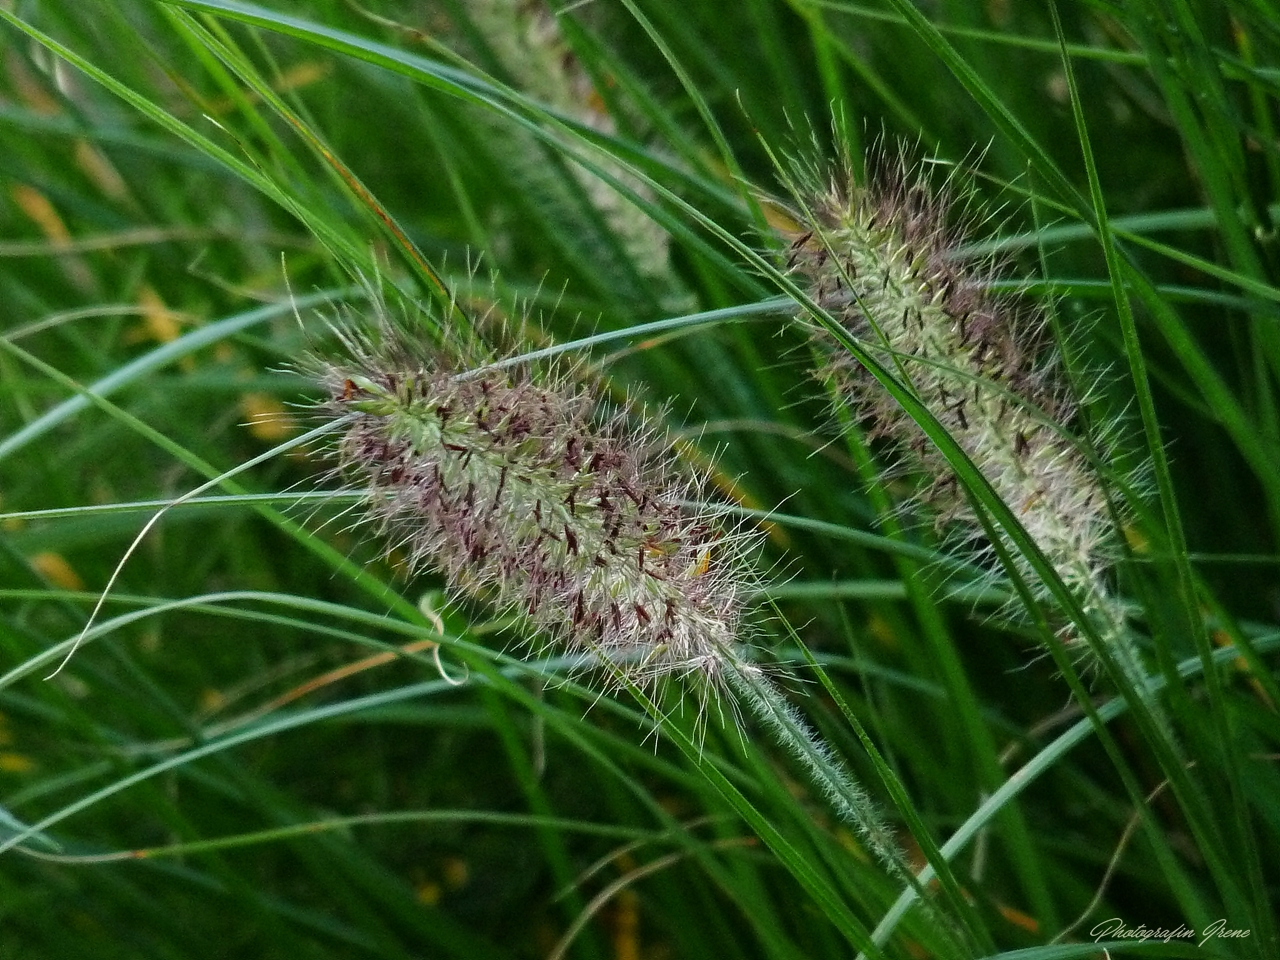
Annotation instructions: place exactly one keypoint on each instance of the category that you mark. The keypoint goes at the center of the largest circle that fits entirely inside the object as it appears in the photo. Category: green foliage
(273, 742)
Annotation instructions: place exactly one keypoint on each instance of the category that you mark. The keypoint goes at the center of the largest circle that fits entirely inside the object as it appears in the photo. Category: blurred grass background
(236, 764)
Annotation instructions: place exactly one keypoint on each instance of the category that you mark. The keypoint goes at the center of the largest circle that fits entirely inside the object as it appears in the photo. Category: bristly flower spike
(886, 259)
(519, 487)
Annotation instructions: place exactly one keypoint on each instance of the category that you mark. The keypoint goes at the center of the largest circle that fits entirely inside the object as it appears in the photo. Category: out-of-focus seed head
(527, 40)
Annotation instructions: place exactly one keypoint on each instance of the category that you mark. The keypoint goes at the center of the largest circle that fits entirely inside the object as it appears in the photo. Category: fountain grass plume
(526, 38)
(520, 486)
(887, 259)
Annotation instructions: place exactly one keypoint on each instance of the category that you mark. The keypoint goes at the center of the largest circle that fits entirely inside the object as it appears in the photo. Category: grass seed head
(517, 485)
(886, 258)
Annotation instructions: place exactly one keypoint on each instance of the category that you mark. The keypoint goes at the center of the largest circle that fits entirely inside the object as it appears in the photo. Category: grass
(273, 742)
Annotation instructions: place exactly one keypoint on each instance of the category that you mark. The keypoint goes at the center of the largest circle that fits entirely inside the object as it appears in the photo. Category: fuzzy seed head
(884, 259)
(527, 39)
(514, 485)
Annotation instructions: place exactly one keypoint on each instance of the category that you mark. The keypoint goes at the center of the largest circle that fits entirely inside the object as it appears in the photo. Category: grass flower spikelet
(885, 260)
(519, 487)
(527, 39)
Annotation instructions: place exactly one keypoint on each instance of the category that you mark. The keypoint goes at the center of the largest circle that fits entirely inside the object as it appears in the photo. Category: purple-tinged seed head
(886, 258)
(518, 486)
